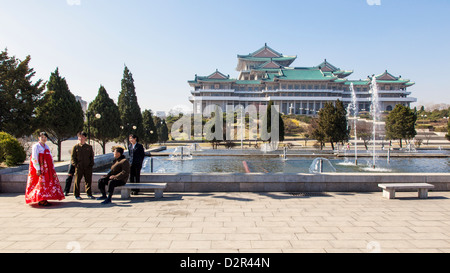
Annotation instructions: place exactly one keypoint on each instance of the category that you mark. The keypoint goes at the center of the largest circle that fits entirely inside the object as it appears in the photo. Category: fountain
(375, 113)
(195, 147)
(410, 148)
(181, 153)
(284, 155)
(355, 112)
(269, 147)
(320, 164)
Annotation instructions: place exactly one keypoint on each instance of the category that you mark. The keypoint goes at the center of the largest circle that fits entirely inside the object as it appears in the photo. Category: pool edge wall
(259, 182)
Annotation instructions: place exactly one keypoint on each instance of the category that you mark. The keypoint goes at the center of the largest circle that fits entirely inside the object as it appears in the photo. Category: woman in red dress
(43, 183)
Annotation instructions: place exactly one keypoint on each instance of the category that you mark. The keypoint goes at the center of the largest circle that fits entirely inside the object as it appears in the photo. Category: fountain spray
(375, 112)
(354, 107)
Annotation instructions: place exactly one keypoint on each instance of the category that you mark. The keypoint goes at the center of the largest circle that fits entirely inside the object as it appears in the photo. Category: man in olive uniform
(83, 160)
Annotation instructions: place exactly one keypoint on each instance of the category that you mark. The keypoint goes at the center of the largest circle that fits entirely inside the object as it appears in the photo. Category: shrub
(11, 151)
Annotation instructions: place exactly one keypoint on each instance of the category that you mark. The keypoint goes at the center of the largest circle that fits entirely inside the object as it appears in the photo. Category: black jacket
(137, 154)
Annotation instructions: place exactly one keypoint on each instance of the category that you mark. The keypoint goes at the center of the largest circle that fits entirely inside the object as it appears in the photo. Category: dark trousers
(103, 182)
(68, 183)
(135, 175)
(79, 173)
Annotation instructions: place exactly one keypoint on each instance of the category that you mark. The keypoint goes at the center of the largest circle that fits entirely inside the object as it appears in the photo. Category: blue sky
(165, 43)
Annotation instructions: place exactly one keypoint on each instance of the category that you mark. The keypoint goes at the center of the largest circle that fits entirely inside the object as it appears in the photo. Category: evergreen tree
(316, 132)
(333, 122)
(11, 151)
(19, 96)
(163, 132)
(400, 123)
(60, 115)
(104, 118)
(150, 134)
(130, 112)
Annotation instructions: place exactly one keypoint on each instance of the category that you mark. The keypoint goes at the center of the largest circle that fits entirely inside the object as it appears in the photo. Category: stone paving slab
(219, 222)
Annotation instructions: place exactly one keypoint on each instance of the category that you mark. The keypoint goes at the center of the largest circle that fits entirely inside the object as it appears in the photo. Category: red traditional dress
(46, 186)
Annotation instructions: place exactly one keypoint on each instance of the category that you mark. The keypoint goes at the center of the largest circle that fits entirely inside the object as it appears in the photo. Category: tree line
(27, 107)
(332, 125)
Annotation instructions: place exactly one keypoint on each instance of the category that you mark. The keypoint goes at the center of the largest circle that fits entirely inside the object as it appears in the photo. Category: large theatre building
(265, 75)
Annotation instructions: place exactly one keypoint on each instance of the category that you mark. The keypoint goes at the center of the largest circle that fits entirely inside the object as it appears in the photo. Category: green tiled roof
(305, 74)
(323, 72)
(397, 81)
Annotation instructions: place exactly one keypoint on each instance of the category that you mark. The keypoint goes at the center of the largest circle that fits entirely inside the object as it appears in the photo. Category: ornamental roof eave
(269, 52)
(343, 73)
(265, 59)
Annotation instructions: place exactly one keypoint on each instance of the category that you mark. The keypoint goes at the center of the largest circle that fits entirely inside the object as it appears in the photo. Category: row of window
(294, 87)
(301, 94)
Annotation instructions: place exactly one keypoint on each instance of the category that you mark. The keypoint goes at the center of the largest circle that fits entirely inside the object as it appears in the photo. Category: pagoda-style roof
(263, 55)
(325, 66)
(264, 52)
(216, 76)
(387, 77)
(267, 65)
(270, 65)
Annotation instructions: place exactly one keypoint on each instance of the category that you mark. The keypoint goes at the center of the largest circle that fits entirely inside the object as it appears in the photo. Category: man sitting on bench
(117, 176)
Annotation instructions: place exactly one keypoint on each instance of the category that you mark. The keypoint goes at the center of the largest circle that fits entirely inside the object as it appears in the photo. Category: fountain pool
(258, 163)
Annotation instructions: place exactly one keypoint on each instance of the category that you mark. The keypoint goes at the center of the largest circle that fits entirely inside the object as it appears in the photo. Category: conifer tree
(150, 134)
(163, 132)
(130, 112)
(19, 96)
(104, 118)
(60, 115)
(333, 122)
(400, 123)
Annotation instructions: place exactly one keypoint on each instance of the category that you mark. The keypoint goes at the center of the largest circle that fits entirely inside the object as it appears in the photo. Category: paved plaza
(230, 222)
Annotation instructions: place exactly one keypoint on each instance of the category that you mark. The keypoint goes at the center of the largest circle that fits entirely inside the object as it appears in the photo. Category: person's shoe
(101, 198)
(79, 198)
(66, 194)
(107, 201)
(91, 196)
(44, 203)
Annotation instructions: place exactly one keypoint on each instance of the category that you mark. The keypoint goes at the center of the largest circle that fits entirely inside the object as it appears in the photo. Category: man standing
(137, 154)
(83, 160)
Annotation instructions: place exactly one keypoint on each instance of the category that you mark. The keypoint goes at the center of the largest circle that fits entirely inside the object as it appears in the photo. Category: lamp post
(423, 118)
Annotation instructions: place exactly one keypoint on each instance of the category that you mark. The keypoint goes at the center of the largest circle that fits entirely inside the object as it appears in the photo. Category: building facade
(265, 75)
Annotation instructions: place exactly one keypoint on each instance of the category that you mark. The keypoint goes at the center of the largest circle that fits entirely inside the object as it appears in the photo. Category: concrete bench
(389, 189)
(126, 189)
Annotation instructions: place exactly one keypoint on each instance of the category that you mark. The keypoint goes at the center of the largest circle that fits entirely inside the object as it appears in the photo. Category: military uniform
(83, 160)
